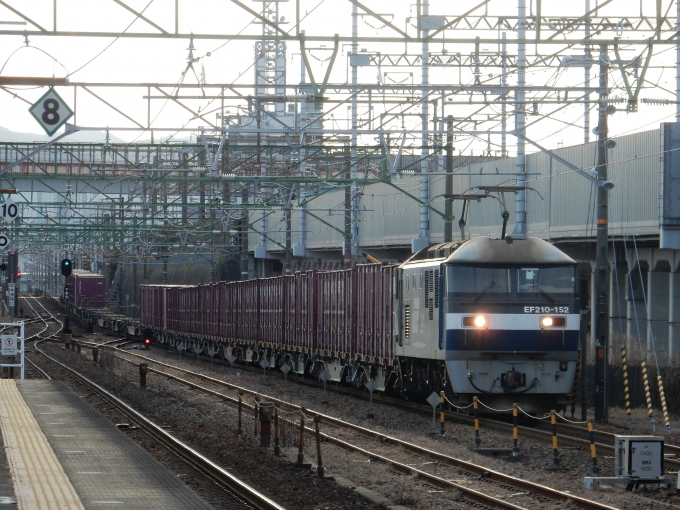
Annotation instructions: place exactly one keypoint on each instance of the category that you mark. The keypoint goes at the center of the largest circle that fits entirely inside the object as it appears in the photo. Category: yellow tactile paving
(39, 480)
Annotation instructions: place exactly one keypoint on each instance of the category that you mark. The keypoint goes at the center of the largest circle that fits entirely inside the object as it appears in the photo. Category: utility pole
(602, 261)
(287, 201)
(448, 190)
(520, 230)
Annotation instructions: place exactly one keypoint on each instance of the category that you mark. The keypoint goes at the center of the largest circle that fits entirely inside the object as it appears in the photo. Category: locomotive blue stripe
(511, 340)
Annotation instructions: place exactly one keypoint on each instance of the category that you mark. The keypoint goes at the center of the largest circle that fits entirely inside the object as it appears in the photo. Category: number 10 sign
(51, 111)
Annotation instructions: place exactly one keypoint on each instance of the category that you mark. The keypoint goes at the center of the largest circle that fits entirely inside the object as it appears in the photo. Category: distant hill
(7, 135)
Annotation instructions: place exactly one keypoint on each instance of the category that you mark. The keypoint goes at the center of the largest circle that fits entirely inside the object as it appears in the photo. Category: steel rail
(486, 473)
(604, 440)
(179, 448)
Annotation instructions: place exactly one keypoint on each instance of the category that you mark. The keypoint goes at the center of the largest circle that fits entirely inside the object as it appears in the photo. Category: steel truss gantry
(208, 192)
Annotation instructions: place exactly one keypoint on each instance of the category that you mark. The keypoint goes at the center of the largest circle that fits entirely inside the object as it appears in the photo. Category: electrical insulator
(656, 101)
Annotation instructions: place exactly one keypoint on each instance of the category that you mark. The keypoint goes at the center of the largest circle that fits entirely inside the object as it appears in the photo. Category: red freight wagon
(271, 309)
(152, 306)
(249, 306)
(229, 313)
(374, 301)
(334, 312)
(88, 290)
(175, 311)
(204, 309)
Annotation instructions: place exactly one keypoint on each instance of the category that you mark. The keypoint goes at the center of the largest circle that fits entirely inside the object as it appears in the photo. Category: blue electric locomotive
(497, 319)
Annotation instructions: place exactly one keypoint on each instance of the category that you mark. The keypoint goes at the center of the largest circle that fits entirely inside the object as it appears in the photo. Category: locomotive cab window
(471, 285)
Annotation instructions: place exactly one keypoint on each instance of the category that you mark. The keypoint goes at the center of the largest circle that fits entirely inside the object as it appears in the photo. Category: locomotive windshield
(484, 284)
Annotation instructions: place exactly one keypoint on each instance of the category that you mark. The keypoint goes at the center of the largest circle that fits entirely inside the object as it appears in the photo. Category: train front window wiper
(485, 291)
(544, 293)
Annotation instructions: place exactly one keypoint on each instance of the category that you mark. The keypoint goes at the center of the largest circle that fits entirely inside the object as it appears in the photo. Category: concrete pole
(520, 230)
(354, 194)
(586, 80)
(301, 249)
(504, 107)
(423, 239)
(448, 205)
(677, 66)
(601, 319)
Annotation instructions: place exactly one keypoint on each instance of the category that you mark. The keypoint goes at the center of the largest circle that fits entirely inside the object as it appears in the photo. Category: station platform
(59, 453)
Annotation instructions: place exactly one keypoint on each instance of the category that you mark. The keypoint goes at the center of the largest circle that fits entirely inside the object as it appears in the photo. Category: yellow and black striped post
(664, 408)
(626, 389)
(257, 409)
(556, 454)
(574, 388)
(648, 396)
(475, 406)
(301, 444)
(441, 414)
(515, 435)
(319, 462)
(240, 414)
(593, 451)
(277, 435)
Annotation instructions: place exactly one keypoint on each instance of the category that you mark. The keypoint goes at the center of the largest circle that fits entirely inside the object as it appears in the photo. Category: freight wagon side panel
(289, 335)
(272, 299)
(334, 311)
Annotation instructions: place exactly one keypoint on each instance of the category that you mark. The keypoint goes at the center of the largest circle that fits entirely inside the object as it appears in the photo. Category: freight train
(492, 318)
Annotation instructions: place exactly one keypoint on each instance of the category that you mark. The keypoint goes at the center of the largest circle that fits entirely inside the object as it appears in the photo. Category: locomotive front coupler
(513, 379)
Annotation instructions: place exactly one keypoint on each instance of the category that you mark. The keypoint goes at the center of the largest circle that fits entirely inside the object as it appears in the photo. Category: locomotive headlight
(553, 322)
(476, 321)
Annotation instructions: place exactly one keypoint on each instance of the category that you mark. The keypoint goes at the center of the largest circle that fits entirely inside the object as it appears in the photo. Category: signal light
(18, 274)
(12, 264)
(66, 267)
(147, 338)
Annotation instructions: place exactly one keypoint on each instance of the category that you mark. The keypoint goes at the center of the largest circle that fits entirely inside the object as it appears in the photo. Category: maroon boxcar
(347, 312)
(88, 290)
(374, 301)
(335, 324)
(272, 303)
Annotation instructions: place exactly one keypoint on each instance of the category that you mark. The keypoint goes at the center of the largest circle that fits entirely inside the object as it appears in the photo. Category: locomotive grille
(436, 288)
(427, 289)
(431, 310)
(407, 321)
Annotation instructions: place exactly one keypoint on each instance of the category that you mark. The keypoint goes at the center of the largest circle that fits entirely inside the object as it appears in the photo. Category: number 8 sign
(51, 111)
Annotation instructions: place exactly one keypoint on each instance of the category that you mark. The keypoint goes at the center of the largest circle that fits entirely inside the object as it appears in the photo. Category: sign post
(9, 210)
(13, 344)
(51, 111)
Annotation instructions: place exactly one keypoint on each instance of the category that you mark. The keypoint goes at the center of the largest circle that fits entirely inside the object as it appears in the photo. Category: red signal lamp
(18, 274)
(146, 340)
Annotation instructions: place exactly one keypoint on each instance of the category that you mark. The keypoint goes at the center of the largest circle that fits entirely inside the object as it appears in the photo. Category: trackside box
(88, 290)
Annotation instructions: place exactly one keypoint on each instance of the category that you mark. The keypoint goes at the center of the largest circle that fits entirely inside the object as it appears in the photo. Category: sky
(136, 60)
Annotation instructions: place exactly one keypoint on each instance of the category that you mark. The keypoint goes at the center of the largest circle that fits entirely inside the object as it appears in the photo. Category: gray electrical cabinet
(639, 456)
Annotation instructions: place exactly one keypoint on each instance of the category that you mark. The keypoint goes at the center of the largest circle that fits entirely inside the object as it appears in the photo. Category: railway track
(568, 434)
(243, 495)
(499, 489)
